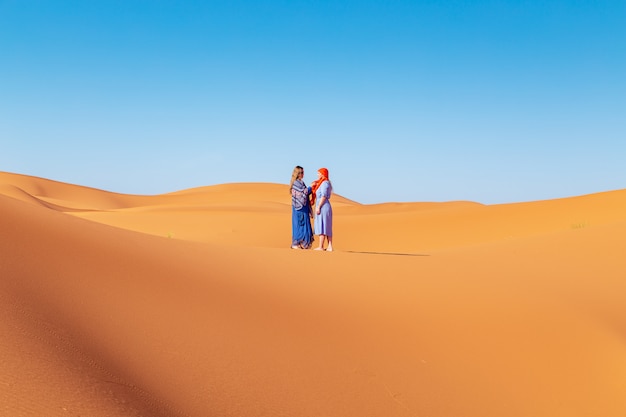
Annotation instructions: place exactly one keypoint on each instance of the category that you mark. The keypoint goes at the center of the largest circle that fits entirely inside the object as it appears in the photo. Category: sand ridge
(191, 303)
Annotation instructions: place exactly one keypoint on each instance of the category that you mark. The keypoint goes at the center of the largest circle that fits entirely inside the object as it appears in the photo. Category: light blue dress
(324, 220)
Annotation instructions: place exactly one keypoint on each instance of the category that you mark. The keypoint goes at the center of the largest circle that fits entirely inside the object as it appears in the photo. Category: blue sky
(488, 101)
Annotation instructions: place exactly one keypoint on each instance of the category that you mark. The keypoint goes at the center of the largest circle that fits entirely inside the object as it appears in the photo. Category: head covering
(316, 184)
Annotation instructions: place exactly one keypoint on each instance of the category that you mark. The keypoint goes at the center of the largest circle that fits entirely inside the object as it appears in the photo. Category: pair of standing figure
(308, 200)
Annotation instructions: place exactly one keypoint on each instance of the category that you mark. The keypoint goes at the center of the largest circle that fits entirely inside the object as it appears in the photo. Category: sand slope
(191, 304)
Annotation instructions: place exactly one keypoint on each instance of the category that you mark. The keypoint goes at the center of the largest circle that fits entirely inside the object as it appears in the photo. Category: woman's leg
(330, 243)
(322, 239)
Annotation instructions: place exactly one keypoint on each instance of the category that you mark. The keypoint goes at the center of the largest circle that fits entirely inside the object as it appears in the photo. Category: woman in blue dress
(301, 231)
(322, 190)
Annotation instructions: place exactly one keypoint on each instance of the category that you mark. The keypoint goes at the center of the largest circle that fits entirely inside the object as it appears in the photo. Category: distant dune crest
(257, 214)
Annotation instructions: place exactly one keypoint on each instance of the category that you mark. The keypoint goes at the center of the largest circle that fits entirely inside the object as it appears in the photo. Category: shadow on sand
(387, 253)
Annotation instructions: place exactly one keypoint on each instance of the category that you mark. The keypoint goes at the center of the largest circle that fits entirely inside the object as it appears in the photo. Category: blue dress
(301, 230)
(324, 220)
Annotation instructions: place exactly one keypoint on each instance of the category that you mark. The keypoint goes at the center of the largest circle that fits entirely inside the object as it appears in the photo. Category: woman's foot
(329, 249)
(295, 247)
(319, 249)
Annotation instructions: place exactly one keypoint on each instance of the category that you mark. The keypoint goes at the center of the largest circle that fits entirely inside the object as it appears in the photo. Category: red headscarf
(316, 184)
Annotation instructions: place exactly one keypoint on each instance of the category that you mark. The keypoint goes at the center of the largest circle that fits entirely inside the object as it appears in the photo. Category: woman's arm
(323, 199)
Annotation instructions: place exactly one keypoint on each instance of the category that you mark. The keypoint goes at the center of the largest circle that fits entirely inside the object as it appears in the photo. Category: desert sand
(192, 304)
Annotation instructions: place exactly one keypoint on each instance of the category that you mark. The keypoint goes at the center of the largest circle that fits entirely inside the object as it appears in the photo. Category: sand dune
(191, 304)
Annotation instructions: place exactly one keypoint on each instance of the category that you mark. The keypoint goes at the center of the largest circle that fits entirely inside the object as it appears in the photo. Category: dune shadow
(387, 253)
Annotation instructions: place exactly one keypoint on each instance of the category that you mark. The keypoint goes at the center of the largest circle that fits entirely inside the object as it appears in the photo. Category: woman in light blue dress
(322, 190)
(301, 231)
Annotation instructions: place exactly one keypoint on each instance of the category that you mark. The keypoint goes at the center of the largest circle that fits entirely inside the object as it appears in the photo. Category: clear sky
(423, 100)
